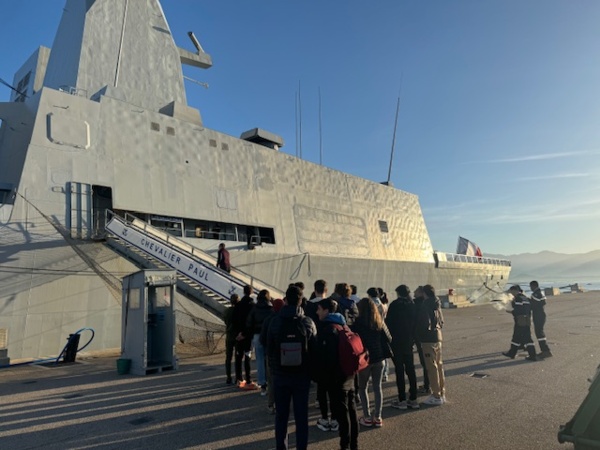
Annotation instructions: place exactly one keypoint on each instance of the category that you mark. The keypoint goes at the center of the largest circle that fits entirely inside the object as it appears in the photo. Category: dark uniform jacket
(521, 310)
(538, 301)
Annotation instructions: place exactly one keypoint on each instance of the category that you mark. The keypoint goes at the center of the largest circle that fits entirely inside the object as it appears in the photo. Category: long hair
(369, 314)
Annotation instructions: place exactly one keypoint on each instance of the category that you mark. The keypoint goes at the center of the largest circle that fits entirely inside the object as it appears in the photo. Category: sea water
(563, 285)
(503, 300)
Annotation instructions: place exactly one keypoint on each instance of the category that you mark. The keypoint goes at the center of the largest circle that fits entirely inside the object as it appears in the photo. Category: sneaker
(508, 355)
(399, 404)
(545, 354)
(433, 401)
(241, 383)
(334, 425)
(251, 386)
(531, 358)
(412, 404)
(423, 390)
(229, 381)
(378, 423)
(365, 422)
(263, 391)
(271, 409)
(323, 425)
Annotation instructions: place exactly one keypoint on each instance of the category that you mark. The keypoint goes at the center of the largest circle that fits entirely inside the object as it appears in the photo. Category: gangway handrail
(209, 261)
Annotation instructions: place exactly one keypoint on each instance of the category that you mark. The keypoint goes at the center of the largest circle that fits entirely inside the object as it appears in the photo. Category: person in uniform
(522, 329)
(538, 302)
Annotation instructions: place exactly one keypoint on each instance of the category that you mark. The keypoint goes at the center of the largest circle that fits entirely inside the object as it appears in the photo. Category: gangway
(196, 269)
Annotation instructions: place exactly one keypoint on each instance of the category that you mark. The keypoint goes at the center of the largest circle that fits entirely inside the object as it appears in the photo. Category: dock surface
(493, 402)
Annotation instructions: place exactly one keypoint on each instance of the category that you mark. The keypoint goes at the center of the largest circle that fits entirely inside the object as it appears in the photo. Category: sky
(499, 100)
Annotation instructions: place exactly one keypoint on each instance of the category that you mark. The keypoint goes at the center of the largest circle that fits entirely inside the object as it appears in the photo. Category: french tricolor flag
(466, 247)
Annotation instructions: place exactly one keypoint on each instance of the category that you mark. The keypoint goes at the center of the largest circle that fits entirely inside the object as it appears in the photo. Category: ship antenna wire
(13, 88)
(300, 119)
(394, 135)
(320, 132)
(296, 119)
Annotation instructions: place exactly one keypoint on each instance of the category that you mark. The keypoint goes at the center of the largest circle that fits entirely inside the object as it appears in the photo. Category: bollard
(71, 350)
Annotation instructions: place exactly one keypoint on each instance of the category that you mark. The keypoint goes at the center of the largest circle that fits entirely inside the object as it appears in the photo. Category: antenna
(195, 42)
(320, 131)
(394, 136)
(11, 87)
(296, 119)
(201, 83)
(300, 119)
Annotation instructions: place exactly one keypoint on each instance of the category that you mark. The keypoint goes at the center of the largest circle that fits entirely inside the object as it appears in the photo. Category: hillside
(547, 265)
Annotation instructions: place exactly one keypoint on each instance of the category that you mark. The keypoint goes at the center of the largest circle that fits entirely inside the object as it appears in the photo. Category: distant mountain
(551, 266)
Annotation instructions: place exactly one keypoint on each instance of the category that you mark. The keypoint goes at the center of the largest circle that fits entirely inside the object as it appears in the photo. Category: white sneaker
(433, 401)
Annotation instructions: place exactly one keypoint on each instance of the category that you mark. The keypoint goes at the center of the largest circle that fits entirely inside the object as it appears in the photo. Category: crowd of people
(298, 342)
(301, 341)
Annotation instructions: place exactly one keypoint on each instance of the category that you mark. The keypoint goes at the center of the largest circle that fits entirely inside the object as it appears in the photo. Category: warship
(106, 169)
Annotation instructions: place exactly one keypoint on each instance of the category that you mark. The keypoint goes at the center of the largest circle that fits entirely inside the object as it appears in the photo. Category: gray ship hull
(101, 122)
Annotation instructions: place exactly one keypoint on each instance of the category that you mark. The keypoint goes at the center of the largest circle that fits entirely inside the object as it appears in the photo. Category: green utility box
(583, 429)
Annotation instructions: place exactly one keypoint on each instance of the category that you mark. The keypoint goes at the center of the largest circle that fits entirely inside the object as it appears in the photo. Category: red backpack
(352, 353)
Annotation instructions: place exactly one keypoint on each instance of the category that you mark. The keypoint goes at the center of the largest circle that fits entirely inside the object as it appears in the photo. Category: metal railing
(193, 252)
(454, 257)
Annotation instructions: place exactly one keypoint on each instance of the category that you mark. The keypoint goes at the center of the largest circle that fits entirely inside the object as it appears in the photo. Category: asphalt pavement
(493, 402)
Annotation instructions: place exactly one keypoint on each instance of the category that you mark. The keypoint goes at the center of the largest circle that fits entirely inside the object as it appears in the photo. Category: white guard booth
(148, 321)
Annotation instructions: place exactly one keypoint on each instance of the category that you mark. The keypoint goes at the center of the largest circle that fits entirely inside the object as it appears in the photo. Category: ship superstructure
(109, 133)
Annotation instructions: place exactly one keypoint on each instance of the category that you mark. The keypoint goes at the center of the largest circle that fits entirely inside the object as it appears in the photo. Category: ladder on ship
(197, 274)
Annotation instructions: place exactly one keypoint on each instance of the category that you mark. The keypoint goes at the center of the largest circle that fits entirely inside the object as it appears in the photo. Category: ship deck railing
(458, 258)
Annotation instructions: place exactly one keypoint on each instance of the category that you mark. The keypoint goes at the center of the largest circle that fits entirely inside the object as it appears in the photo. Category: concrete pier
(493, 402)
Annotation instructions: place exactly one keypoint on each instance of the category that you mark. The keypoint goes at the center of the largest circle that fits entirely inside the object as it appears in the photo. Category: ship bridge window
(383, 226)
(6, 193)
(5, 196)
(206, 229)
(22, 88)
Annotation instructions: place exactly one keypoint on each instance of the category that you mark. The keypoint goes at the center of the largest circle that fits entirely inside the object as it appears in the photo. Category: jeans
(375, 372)
(260, 360)
(229, 348)
(287, 388)
(404, 362)
(423, 365)
(325, 391)
(345, 412)
(242, 352)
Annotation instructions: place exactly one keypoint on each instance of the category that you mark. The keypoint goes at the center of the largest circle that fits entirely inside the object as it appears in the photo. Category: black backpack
(292, 344)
